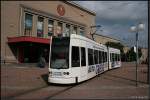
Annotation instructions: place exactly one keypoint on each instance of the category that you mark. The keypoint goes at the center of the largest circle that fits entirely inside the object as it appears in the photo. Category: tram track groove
(66, 89)
(23, 93)
(59, 92)
(36, 89)
(46, 86)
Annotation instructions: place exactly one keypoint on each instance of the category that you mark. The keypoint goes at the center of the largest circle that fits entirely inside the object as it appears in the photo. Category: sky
(116, 18)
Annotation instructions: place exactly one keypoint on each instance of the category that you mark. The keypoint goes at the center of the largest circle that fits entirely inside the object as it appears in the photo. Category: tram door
(83, 69)
(75, 63)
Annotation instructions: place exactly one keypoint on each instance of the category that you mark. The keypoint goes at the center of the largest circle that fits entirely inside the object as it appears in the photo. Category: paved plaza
(30, 82)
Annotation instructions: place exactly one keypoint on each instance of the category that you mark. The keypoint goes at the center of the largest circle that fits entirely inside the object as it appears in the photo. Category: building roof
(80, 7)
(107, 37)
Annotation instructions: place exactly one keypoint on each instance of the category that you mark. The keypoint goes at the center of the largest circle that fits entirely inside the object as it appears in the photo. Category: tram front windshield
(60, 53)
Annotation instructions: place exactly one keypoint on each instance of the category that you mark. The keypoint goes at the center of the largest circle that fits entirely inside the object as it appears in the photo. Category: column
(64, 29)
(22, 19)
(78, 30)
(45, 27)
(55, 27)
(71, 29)
(34, 26)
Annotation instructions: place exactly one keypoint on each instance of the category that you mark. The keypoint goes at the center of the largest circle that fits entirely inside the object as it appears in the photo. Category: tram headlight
(66, 73)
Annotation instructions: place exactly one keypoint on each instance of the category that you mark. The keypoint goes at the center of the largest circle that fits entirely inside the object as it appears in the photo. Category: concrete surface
(31, 83)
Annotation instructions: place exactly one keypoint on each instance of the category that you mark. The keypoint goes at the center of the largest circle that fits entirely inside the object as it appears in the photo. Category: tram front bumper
(60, 80)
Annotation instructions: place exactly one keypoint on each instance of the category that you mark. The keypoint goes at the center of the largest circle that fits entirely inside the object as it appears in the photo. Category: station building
(26, 27)
(104, 39)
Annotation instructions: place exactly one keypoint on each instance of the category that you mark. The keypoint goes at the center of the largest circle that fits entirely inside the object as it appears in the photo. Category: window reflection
(28, 24)
(40, 27)
(50, 27)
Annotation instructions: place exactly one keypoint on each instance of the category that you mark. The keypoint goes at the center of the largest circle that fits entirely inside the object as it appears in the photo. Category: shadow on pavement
(45, 78)
(110, 75)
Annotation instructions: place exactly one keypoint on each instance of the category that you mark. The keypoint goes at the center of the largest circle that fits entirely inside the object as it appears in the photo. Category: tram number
(91, 69)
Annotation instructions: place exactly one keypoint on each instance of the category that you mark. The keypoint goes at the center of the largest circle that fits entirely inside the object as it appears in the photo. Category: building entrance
(32, 53)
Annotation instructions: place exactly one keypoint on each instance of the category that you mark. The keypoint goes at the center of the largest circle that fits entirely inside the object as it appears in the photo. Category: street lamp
(136, 29)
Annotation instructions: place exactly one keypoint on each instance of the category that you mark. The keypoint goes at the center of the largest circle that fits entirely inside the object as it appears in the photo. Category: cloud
(117, 17)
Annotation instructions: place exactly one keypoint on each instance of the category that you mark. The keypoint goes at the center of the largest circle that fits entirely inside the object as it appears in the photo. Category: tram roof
(113, 49)
(86, 39)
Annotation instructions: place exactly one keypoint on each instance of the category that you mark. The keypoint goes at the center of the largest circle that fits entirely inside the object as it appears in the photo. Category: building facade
(144, 57)
(104, 39)
(26, 27)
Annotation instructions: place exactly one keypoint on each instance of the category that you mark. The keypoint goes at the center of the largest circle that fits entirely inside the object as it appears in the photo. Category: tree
(131, 55)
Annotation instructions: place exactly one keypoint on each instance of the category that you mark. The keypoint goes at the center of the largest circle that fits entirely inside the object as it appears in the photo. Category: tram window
(90, 57)
(83, 58)
(60, 53)
(105, 56)
(111, 55)
(75, 57)
(115, 57)
(100, 57)
(96, 56)
(119, 57)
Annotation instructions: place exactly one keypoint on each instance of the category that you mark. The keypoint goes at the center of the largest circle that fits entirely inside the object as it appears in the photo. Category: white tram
(114, 58)
(76, 58)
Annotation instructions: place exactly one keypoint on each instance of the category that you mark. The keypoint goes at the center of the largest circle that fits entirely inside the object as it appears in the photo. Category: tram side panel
(78, 69)
(97, 59)
(114, 58)
(91, 68)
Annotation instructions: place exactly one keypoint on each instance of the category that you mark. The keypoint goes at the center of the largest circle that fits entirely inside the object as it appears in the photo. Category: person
(42, 62)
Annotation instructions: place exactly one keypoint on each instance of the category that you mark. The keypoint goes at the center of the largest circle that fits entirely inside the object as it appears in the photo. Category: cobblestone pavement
(31, 83)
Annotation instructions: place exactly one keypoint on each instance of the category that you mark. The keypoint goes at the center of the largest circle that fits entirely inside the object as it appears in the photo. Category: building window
(59, 29)
(74, 30)
(28, 24)
(75, 57)
(82, 31)
(40, 27)
(67, 30)
(50, 27)
(83, 56)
